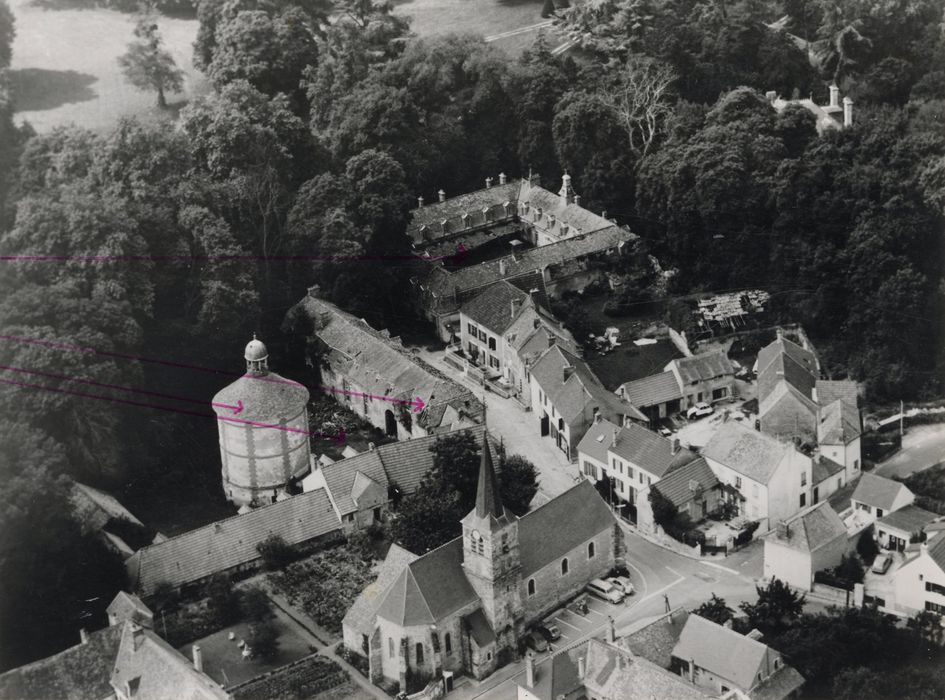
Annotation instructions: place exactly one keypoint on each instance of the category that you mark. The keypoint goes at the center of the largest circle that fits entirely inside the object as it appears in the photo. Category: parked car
(534, 640)
(621, 583)
(699, 410)
(579, 605)
(604, 590)
(549, 631)
(665, 432)
(881, 563)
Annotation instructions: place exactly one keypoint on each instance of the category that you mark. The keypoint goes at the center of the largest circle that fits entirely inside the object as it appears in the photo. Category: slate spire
(487, 494)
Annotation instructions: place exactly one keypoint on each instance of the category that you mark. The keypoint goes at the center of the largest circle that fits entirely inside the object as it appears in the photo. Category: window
(493, 361)
(879, 512)
(590, 550)
(777, 664)
(531, 586)
(640, 474)
(803, 500)
(390, 647)
(419, 653)
(590, 469)
(630, 472)
(564, 566)
(856, 464)
(505, 543)
(934, 588)
(754, 490)
(649, 481)
(472, 329)
(935, 607)
(448, 643)
(492, 343)
(803, 478)
(738, 482)
(482, 335)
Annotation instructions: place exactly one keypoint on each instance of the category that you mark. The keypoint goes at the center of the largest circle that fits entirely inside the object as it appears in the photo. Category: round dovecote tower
(266, 444)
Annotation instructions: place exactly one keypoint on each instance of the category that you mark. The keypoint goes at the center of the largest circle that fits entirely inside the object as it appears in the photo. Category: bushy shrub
(276, 553)
(866, 546)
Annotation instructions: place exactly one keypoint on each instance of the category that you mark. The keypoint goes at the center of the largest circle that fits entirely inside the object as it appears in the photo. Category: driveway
(923, 446)
(518, 430)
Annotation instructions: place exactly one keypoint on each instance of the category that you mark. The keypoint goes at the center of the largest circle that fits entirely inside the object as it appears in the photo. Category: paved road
(922, 447)
(518, 430)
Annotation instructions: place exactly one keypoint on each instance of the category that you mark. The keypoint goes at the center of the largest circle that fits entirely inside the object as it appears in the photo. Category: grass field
(65, 67)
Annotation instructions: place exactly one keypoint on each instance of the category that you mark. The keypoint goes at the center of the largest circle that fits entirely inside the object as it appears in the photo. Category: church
(464, 607)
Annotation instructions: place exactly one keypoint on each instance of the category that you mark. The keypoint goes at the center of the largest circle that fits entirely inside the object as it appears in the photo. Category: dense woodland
(326, 121)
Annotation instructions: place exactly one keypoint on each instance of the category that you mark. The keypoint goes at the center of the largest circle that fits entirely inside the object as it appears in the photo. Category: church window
(564, 566)
(531, 586)
(448, 643)
(419, 653)
(590, 550)
(390, 647)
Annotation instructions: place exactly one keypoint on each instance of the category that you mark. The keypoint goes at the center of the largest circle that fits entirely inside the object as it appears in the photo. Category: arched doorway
(390, 424)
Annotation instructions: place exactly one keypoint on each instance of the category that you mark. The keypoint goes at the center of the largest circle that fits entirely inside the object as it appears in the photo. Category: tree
(7, 32)
(777, 607)
(276, 553)
(850, 569)
(866, 546)
(928, 626)
(254, 605)
(715, 609)
(223, 600)
(264, 639)
(148, 66)
(519, 483)
(638, 95)
(664, 512)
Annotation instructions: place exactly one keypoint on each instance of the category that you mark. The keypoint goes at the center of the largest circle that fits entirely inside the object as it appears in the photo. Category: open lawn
(65, 69)
(510, 23)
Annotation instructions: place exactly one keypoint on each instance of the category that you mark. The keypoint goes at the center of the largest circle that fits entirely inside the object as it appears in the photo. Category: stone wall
(303, 678)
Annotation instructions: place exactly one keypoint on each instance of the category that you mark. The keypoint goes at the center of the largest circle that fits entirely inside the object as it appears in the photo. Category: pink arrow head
(460, 254)
(239, 407)
(418, 405)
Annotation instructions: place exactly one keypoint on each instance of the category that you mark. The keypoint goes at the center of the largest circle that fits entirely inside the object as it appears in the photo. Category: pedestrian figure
(666, 600)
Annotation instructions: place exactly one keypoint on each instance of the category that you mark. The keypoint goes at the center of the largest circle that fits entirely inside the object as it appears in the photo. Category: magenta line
(231, 258)
(338, 438)
(346, 392)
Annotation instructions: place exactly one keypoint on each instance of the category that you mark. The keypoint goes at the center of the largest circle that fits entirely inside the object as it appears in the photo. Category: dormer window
(445, 225)
(508, 208)
(486, 214)
(465, 218)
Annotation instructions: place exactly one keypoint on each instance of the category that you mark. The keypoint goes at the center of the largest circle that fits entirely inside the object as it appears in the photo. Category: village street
(922, 447)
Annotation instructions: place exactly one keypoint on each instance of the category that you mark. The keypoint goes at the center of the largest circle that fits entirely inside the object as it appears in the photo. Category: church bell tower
(491, 556)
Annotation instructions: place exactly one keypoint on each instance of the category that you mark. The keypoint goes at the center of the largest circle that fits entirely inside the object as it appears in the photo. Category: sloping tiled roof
(379, 365)
(360, 615)
(909, 519)
(675, 486)
(472, 203)
(77, 673)
(494, 307)
(480, 628)
(839, 423)
(937, 551)
(230, 542)
(811, 529)
(786, 361)
(785, 346)
(266, 398)
(95, 508)
(656, 641)
(877, 491)
(830, 390)
(723, 652)
(429, 588)
(783, 683)
(616, 674)
(652, 390)
(747, 451)
(341, 475)
(704, 366)
(649, 450)
(823, 468)
(597, 439)
(157, 671)
(573, 215)
(128, 606)
(551, 531)
(559, 677)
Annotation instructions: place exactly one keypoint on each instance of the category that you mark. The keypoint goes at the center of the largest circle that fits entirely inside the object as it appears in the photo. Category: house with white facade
(896, 530)
(797, 548)
(768, 480)
(919, 584)
(707, 376)
(876, 496)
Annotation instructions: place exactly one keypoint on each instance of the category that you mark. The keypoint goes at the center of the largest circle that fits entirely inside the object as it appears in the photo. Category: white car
(699, 410)
(622, 583)
(604, 590)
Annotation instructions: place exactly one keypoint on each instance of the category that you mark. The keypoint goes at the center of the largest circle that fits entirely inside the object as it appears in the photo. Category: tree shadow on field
(39, 89)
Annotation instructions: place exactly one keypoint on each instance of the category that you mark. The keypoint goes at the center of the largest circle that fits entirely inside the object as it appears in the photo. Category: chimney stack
(834, 96)
(611, 628)
(441, 195)
(371, 446)
(603, 214)
(502, 268)
(675, 445)
(420, 202)
(198, 657)
(580, 667)
(613, 441)
(488, 183)
(84, 635)
(566, 194)
(597, 417)
(692, 670)
(577, 199)
(502, 179)
(529, 670)
(847, 111)
(771, 96)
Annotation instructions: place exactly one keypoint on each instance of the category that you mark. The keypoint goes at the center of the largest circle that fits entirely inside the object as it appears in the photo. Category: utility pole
(902, 411)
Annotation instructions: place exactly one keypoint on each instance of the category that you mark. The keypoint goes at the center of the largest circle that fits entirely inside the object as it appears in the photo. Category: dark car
(534, 640)
(549, 631)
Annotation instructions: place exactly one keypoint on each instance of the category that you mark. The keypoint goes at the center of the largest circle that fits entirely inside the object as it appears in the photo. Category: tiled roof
(937, 551)
(784, 360)
(226, 543)
(551, 531)
(572, 215)
(823, 468)
(472, 203)
(652, 390)
(783, 683)
(723, 652)
(267, 398)
(649, 450)
(824, 119)
(839, 423)
(877, 491)
(559, 677)
(77, 673)
(746, 451)
(380, 365)
(811, 529)
(655, 641)
(95, 508)
(157, 671)
(704, 366)
(128, 606)
(497, 307)
(909, 519)
(830, 390)
(676, 486)
(360, 615)
(616, 674)
(480, 628)
(785, 346)
(597, 439)
(429, 588)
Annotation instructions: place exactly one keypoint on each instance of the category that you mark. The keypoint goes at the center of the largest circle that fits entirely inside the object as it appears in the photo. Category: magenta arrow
(416, 404)
(237, 409)
(338, 438)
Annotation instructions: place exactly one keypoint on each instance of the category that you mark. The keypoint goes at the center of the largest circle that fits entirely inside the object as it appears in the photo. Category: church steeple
(488, 502)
